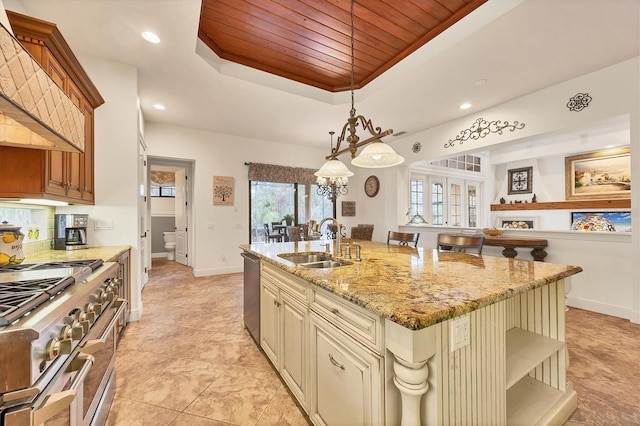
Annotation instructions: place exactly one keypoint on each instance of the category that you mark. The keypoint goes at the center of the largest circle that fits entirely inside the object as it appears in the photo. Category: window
(454, 201)
(437, 203)
(271, 201)
(162, 191)
(417, 197)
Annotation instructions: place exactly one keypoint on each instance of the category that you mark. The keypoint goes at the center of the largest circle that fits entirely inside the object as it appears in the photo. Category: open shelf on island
(525, 351)
(530, 401)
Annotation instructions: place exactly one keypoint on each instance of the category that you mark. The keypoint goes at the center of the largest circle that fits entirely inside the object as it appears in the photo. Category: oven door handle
(62, 400)
(93, 346)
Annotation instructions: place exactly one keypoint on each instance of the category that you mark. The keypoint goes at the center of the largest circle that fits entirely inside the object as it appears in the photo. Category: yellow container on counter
(10, 244)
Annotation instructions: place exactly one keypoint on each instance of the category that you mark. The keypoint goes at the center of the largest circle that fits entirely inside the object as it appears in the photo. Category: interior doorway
(170, 210)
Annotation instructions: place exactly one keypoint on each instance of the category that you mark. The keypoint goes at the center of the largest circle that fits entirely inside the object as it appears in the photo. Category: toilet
(170, 244)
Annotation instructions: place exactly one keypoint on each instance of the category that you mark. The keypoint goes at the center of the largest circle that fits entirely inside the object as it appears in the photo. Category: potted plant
(288, 219)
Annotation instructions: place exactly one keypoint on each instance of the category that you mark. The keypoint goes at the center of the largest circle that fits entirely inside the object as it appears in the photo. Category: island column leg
(411, 379)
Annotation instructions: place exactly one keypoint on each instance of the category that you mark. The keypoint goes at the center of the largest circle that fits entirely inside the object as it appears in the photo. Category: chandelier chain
(352, 113)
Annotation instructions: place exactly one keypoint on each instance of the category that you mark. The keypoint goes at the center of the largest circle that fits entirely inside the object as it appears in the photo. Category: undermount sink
(305, 258)
(324, 264)
(313, 260)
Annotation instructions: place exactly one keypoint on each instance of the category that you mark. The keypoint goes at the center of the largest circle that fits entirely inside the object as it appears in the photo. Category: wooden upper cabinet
(57, 175)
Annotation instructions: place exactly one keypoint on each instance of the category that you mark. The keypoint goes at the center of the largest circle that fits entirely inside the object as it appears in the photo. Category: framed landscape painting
(598, 175)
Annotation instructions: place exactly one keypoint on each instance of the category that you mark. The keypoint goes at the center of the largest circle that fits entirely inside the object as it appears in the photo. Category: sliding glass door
(270, 202)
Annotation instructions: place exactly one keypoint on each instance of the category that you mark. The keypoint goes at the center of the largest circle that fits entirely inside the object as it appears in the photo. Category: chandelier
(376, 154)
(332, 178)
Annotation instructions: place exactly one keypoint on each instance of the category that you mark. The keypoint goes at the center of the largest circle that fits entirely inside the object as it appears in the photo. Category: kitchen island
(416, 336)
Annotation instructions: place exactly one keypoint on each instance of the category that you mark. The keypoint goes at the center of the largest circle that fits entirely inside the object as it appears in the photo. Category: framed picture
(601, 221)
(530, 222)
(348, 208)
(597, 175)
(223, 190)
(520, 181)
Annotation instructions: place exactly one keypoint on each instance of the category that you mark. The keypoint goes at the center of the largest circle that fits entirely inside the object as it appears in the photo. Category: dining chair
(269, 236)
(403, 238)
(293, 232)
(361, 232)
(460, 243)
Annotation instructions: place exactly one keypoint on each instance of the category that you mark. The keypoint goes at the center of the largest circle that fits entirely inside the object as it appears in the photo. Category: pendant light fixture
(333, 177)
(377, 154)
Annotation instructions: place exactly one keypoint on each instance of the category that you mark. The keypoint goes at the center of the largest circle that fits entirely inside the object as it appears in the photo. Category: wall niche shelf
(565, 205)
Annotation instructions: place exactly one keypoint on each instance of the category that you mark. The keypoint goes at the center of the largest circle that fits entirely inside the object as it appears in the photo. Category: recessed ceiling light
(151, 37)
(465, 105)
(159, 106)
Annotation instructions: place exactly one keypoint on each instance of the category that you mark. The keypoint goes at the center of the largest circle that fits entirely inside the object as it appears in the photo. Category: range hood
(34, 111)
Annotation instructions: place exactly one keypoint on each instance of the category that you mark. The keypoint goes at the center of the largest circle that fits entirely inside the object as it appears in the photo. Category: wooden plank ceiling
(309, 41)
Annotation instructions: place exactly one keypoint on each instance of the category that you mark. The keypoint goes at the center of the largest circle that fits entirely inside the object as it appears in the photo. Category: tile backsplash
(36, 224)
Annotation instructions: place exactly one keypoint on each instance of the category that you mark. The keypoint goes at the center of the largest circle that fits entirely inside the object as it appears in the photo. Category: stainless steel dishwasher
(252, 295)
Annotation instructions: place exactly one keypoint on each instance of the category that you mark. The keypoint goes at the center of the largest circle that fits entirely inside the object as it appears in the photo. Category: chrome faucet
(338, 249)
(357, 246)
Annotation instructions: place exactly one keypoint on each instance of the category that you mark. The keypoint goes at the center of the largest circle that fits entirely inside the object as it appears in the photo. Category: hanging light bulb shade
(334, 169)
(377, 155)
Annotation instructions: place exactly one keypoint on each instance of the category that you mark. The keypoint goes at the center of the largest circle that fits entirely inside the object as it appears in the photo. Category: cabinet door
(75, 161)
(88, 156)
(294, 356)
(346, 377)
(269, 321)
(55, 178)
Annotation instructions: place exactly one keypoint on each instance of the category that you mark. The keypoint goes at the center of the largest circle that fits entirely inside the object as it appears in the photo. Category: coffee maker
(70, 231)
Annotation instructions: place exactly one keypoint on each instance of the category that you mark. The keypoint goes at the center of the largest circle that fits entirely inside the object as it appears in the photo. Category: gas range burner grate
(92, 263)
(20, 297)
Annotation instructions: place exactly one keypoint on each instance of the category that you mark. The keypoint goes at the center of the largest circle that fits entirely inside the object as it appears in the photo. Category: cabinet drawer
(293, 285)
(357, 322)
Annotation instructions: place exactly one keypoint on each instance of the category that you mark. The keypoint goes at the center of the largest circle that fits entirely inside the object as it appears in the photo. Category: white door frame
(189, 166)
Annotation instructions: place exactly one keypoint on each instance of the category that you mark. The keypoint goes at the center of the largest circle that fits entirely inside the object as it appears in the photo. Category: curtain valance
(280, 174)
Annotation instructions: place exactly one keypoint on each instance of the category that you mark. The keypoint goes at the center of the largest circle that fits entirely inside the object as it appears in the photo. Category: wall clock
(371, 186)
(520, 181)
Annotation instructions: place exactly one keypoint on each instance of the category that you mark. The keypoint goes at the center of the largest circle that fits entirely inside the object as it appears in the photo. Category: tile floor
(188, 361)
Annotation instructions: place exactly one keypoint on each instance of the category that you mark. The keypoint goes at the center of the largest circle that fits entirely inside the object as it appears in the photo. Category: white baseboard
(158, 255)
(219, 271)
(601, 308)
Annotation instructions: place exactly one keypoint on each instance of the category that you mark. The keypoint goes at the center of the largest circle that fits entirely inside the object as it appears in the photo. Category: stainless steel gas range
(58, 342)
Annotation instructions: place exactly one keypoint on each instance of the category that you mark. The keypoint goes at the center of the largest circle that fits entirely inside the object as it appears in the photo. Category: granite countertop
(417, 288)
(106, 253)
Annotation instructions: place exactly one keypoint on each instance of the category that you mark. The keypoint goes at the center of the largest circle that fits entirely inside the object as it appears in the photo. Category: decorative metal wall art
(481, 128)
(348, 208)
(416, 147)
(579, 102)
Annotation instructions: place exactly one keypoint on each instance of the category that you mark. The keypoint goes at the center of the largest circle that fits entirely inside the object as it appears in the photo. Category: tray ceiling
(309, 41)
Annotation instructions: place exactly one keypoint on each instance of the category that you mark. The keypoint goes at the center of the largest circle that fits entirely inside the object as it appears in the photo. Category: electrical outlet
(459, 333)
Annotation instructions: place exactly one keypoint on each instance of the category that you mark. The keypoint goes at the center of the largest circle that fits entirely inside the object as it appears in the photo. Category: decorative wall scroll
(481, 128)
(597, 175)
(348, 208)
(223, 190)
(579, 102)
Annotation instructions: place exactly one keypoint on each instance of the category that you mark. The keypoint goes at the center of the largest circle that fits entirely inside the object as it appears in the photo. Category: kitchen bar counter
(106, 253)
(417, 336)
(417, 288)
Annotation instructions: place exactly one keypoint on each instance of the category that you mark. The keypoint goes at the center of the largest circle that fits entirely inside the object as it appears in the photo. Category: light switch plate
(459, 333)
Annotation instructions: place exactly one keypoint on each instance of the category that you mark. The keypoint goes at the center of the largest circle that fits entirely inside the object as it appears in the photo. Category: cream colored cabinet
(270, 321)
(284, 329)
(346, 377)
